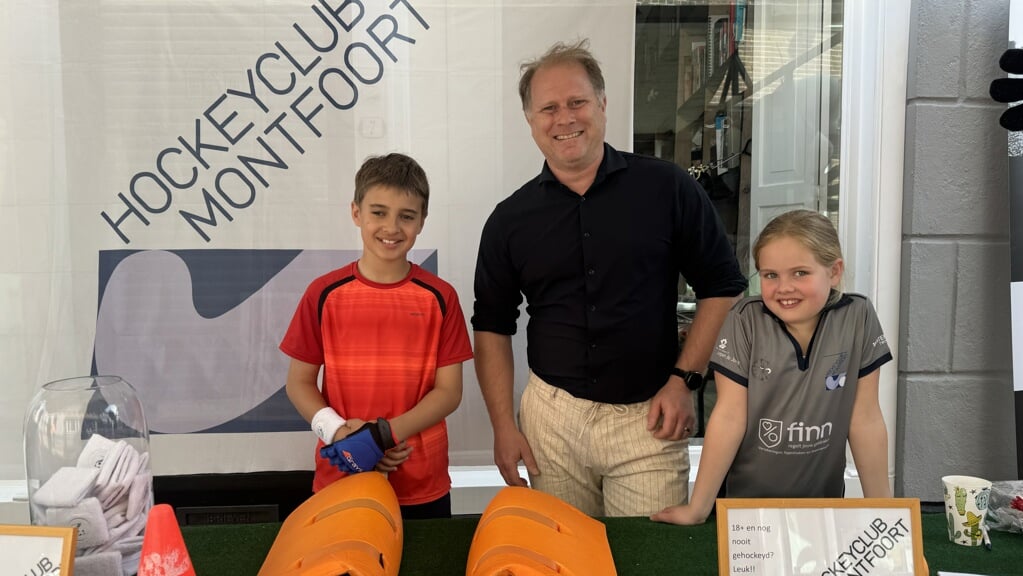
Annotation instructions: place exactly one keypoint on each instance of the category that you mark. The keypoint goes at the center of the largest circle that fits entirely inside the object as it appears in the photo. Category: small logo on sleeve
(721, 352)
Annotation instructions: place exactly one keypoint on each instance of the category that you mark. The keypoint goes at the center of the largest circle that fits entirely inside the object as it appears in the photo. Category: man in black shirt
(596, 243)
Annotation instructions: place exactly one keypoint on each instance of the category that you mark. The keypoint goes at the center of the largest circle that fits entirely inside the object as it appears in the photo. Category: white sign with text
(825, 537)
(37, 550)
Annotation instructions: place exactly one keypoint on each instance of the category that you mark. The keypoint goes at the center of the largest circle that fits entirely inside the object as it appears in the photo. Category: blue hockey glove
(361, 450)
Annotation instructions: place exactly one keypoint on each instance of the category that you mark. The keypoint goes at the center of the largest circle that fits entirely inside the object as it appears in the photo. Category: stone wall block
(956, 163)
(935, 48)
(989, 37)
(952, 424)
(983, 327)
(927, 308)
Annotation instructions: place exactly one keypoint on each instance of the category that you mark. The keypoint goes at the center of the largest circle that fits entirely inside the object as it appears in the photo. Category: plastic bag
(1005, 508)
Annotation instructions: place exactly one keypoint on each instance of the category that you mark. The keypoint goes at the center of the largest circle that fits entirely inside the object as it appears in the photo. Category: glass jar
(87, 464)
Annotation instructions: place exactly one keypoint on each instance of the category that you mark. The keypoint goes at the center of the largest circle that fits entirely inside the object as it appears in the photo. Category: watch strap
(693, 379)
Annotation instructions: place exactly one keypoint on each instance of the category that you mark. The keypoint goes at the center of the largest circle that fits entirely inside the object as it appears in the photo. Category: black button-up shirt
(599, 273)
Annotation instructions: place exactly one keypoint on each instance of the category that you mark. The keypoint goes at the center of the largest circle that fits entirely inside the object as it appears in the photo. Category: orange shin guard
(353, 526)
(526, 532)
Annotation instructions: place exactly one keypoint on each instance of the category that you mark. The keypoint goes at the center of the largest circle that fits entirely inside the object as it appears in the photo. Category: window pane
(747, 97)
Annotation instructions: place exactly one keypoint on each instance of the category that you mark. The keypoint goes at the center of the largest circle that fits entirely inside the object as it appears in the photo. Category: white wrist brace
(325, 424)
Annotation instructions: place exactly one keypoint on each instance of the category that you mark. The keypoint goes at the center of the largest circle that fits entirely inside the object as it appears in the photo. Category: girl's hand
(685, 515)
(394, 457)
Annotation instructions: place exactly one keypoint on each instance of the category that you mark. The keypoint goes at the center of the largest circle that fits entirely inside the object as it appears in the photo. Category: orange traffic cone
(163, 548)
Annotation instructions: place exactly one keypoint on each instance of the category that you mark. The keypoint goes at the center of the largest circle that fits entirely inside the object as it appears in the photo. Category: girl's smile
(794, 285)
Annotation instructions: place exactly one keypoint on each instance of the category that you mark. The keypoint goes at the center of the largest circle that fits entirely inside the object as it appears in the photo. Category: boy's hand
(348, 428)
(361, 450)
(394, 457)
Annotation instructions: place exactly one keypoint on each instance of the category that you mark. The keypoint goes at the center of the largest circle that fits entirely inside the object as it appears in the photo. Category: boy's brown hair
(396, 171)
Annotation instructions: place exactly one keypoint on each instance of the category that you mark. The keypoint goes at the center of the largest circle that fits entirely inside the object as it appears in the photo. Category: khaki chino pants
(599, 457)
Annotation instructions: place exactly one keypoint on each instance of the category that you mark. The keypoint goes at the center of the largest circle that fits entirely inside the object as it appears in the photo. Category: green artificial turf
(639, 547)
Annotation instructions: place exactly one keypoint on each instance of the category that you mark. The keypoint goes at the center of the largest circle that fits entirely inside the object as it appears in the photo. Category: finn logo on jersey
(770, 432)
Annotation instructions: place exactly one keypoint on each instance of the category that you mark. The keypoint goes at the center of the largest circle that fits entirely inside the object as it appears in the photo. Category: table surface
(639, 546)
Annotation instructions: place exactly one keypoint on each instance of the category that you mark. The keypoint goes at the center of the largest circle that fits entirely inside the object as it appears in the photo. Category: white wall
(94, 90)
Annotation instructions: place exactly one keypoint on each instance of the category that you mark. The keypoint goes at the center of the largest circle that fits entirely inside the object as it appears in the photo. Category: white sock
(66, 487)
(130, 562)
(94, 452)
(127, 530)
(110, 462)
(115, 515)
(87, 517)
(102, 564)
(110, 495)
(129, 544)
(118, 508)
(127, 466)
(139, 495)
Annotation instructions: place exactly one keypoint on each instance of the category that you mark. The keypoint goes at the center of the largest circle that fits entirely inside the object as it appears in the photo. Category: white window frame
(874, 75)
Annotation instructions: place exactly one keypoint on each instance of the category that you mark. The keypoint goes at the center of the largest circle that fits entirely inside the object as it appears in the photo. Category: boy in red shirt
(391, 338)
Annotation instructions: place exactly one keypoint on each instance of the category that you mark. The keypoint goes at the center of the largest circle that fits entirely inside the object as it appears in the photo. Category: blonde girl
(796, 371)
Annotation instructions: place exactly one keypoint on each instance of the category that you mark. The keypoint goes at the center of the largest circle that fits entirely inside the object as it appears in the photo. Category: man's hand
(361, 450)
(511, 447)
(672, 415)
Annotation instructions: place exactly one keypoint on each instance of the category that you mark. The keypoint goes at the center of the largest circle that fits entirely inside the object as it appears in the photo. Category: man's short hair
(396, 171)
(561, 53)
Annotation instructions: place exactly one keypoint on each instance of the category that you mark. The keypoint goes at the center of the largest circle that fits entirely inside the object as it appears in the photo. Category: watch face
(694, 380)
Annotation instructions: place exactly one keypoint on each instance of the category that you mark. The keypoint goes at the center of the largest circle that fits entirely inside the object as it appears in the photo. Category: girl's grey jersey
(799, 406)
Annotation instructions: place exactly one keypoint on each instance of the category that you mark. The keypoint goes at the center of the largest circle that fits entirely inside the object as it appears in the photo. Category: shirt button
(586, 234)
(593, 308)
(582, 198)
(593, 345)
(590, 271)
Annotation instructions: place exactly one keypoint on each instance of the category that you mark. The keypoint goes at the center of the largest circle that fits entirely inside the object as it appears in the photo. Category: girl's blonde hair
(811, 229)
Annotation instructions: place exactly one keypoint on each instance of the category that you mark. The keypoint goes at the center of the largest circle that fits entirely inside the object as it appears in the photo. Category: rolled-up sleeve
(705, 257)
(496, 286)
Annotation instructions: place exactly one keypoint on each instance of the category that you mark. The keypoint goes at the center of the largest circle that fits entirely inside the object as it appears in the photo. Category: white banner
(174, 173)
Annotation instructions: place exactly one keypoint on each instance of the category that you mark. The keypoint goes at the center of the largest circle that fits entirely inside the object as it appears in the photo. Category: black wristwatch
(693, 380)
